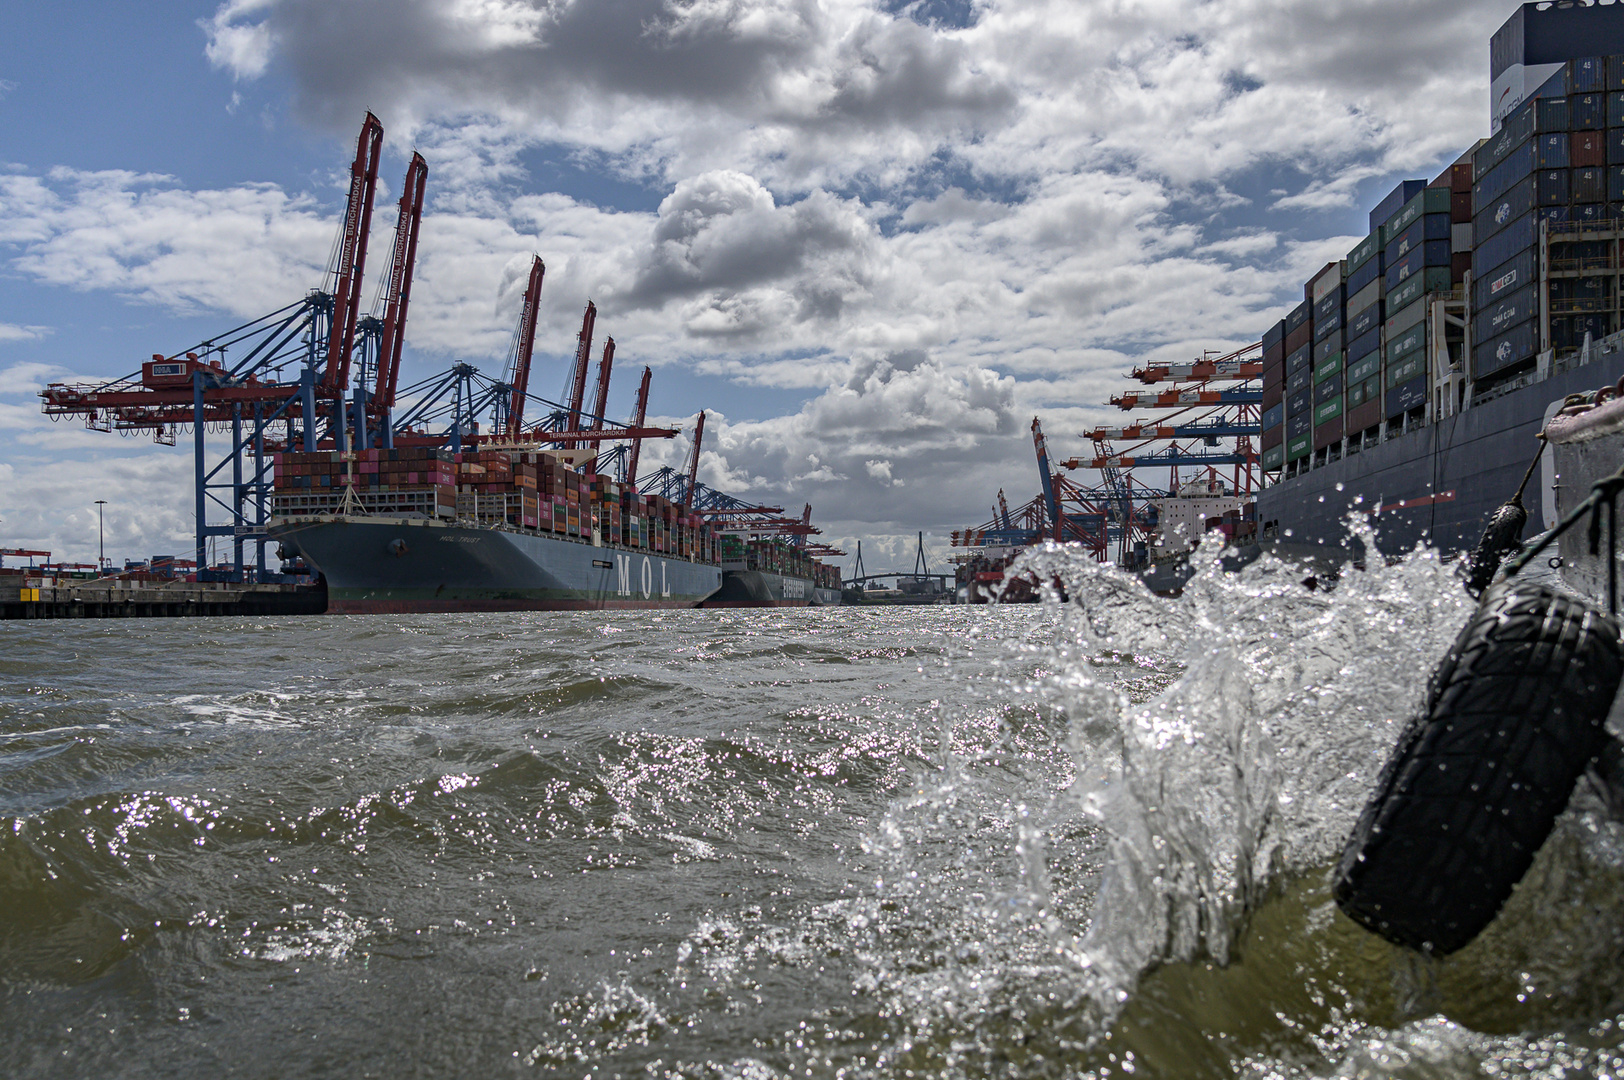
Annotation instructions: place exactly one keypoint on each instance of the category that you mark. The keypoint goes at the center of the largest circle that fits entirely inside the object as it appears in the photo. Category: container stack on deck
(1369, 356)
(777, 557)
(520, 489)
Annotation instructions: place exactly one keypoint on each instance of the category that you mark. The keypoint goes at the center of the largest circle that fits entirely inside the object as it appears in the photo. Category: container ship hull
(1435, 486)
(762, 588)
(378, 564)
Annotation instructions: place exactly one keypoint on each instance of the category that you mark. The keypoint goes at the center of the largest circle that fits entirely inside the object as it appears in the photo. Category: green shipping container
(1366, 367)
(1330, 410)
(1328, 367)
(1431, 279)
(1408, 342)
(1411, 366)
(1299, 447)
(1366, 249)
(1274, 457)
(1428, 201)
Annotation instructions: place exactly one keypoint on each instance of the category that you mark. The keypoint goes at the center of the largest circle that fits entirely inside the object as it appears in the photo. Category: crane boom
(524, 346)
(693, 459)
(637, 422)
(401, 261)
(1049, 500)
(352, 254)
(600, 404)
(583, 356)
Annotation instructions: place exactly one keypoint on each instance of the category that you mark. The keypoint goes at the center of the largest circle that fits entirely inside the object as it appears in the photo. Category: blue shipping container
(1326, 326)
(1551, 188)
(1431, 253)
(1274, 415)
(1367, 272)
(1514, 346)
(1328, 389)
(1299, 359)
(1512, 205)
(1505, 313)
(1297, 317)
(1364, 344)
(1364, 321)
(1394, 202)
(1587, 112)
(1331, 343)
(1406, 396)
(1424, 228)
(1588, 73)
(1300, 379)
(1509, 241)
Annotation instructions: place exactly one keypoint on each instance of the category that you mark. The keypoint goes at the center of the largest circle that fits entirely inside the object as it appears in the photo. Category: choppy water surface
(1082, 839)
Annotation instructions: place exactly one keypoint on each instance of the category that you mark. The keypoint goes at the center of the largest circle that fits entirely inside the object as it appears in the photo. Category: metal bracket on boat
(1603, 496)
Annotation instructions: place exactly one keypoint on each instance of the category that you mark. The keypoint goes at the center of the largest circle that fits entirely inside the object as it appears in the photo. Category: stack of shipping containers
(1367, 292)
(1328, 294)
(1299, 389)
(1420, 264)
(1273, 443)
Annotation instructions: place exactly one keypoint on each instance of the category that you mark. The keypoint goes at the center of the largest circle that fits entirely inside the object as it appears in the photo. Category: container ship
(771, 573)
(429, 530)
(1411, 382)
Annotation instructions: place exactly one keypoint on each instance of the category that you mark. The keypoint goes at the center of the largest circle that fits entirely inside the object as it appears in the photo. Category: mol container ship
(772, 573)
(1411, 383)
(427, 530)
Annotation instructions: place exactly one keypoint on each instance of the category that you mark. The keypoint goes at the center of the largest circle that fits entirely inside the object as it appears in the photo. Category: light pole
(101, 543)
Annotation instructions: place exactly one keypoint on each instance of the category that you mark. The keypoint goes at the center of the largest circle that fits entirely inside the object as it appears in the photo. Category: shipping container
(1424, 229)
(1498, 180)
(1368, 368)
(1403, 318)
(1460, 206)
(1331, 346)
(1274, 417)
(1368, 415)
(1512, 347)
(1591, 213)
(1550, 189)
(1329, 304)
(1426, 202)
(1299, 379)
(1298, 337)
(1322, 284)
(1364, 251)
(1615, 183)
(1431, 253)
(1394, 201)
(1589, 185)
(1328, 325)
(1365, 344)
(1299, 424)
(1552, 114)
(1366, 319)
(1499, 317)
(1274, 338)
(1587, 112)
(1299, 401)
(1570, 331)
(1505, 245)
(1274, 457)
(1331, 365)
(1299, 359)
(1615, 72)
(1371, 271)
(1330, 388)
(1517, 130)
(1406, 396)
(1299, 446)
(1273, 395)
(1588, 148)
(1588, 73)
(1401, 346)
(1327, 410)
(1330, 431)
(1274, 436)
(1298, 316)
(1518, 200)
(1429, 280)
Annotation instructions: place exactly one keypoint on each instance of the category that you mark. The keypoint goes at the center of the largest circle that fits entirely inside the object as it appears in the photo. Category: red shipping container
(1364, 416)
(1460, 206)
(1273, 437)
(1459, 264)
(1299, 337)
(1328, 433)
(1272, 395)
(1589, 149)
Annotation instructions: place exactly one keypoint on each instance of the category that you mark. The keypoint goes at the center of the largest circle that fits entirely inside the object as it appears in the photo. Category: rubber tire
(1514, 715)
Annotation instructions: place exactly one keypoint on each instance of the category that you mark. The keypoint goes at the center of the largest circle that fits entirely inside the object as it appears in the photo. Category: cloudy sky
(872, 238)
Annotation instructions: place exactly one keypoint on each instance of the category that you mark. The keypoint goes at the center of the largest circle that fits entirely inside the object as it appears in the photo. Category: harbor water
(1079, 838)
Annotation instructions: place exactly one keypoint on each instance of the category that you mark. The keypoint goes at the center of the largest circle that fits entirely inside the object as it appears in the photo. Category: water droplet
(1288, 532)
(1322, 498)
(1339, 485)
(1357, 499)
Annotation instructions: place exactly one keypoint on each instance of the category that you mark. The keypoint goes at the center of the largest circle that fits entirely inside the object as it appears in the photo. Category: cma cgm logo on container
(1502, 212)
(1504, 351)
(1503, 282)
